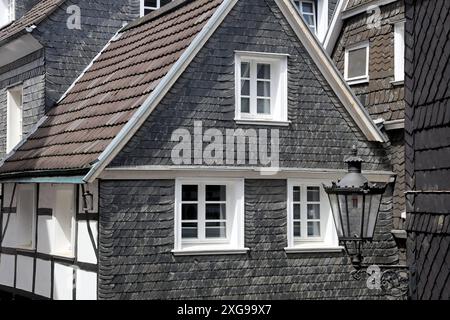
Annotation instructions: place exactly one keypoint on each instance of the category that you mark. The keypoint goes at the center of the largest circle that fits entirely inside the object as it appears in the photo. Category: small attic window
(6, 12)
(357, 63)
(148, 6)
(261, 87)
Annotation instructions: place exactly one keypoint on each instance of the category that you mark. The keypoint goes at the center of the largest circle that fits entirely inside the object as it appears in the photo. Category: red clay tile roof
(101, 102)
(38, 13)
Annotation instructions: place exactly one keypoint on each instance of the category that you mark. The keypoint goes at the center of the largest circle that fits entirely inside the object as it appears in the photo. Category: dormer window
(148, 6)
(6, 12)
(308, 9)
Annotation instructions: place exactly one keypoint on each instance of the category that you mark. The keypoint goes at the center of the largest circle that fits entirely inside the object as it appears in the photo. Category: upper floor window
(148, 6)
(209, 214)
(14, 126)
(310, 219)
(261, 87)
(308, 9)
(399, 51)
(6, 12)
(357, 63)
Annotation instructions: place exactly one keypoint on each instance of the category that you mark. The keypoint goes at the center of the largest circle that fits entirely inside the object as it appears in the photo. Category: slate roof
(33, 17)
(106, 96)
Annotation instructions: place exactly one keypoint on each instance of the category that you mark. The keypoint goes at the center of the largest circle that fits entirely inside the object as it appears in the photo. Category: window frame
(278, 87)
(143, 7)
(314, 14)
(10, 141)
(328, 239)
(357, 79)
(234, 216)
(399, 52)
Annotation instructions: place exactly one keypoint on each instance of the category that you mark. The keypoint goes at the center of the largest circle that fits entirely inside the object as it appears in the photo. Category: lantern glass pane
(355, 210)
(335, 210)
(375, 200)
(344, 217)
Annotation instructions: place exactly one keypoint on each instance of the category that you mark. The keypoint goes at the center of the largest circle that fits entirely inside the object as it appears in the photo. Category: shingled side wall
(137, 236)
(428, 147)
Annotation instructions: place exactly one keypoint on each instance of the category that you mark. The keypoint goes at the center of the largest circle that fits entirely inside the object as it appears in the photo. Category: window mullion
(303, 212)
(253, 87)
(201, 212)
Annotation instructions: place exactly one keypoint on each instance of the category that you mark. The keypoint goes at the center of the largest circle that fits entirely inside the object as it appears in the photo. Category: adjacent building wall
(428, 147)
(48, 73)
(383, 99)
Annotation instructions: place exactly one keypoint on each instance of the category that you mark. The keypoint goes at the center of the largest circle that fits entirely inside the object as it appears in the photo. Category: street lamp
(355, 203)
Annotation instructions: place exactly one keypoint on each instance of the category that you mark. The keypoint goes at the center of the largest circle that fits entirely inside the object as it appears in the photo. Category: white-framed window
(148, 6)
(6, 12)
(399, 51)
(357, 63)
(310, 220)
(14, 125)
(209, 214)
(261, 86)
(64, 220)
(26, 216)
(308, 9)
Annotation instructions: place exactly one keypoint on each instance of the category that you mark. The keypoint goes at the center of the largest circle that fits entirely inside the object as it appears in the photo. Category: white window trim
(279, 101)
(11, 16)
(73, 223)
(10, 145)
(359, 79)
(143, 7)
(399, 53)
(21, 187)
(314, 13)
(234, 244)
(328, 241)
(321, 17)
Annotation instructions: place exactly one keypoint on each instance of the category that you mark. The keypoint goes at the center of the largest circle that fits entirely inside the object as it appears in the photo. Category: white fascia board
(330, 72)
(335, 27)
(141, 115)
(176, 172)
(18, 48)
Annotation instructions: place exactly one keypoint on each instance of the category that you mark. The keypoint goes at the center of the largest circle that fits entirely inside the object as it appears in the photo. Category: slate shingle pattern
(80, 127)
(356, 3)
(428, 147)
(321, 132)
(38, 13)
(381, 98)
(136, 238)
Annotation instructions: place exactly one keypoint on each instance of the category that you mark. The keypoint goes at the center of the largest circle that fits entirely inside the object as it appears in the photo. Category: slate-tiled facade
(136, 239)
(428, 147)
(321, 132)
(383, 99)
(65, 54)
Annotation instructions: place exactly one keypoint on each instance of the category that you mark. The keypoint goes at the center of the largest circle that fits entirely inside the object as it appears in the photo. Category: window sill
(357, 81)
(398, 82)
(263, 122)
(199, 252)
(313, 249)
